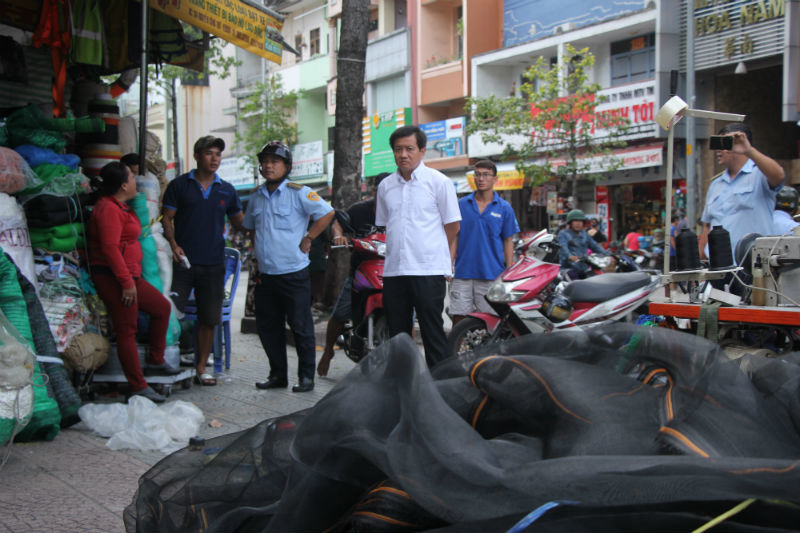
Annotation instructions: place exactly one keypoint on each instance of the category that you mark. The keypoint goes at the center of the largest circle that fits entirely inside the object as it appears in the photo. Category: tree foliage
(267, 116)
(553, 128)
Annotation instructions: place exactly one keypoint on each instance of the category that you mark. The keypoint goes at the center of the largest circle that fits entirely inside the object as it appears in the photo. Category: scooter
(368, 326)
(532, 297)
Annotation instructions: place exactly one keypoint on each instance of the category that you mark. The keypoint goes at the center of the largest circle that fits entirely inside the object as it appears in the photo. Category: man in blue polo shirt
(194, 209)
(485, 243)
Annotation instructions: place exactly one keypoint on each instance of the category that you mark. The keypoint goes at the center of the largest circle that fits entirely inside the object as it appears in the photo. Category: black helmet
(557, 307)
(786, 200)
(279, 149)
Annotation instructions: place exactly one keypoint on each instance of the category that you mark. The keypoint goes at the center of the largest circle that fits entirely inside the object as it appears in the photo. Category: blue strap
(537, 513)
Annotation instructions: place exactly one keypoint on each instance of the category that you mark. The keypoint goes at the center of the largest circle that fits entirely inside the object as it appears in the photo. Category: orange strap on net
(54, 31)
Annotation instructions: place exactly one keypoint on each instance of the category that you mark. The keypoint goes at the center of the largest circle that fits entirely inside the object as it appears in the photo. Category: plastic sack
(15, 173)
(152, 191)
(16, 376)
(14, 237)
(144, 425)
(36, 156)
(104, 419)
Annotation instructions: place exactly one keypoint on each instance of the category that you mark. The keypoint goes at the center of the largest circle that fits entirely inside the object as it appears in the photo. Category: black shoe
(164, 369)
(273, 383)
(150, 394)
(305, 385)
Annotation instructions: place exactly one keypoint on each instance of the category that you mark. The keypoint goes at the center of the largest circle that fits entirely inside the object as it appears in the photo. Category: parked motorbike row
(532, 296)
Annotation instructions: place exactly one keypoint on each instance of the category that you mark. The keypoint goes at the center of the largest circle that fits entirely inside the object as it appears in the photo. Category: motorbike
(533, 297)
(368, 327)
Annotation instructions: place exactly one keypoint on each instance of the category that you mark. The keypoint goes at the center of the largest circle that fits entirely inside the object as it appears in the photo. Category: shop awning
(248, 25)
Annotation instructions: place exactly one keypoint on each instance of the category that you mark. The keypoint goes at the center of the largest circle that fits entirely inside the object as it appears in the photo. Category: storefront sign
(238, 171)
(507, 180)
(235, 21)
(307, 160)
(602, 203)
(377, 129)
(630, 106)
(634, 101)
(649, 155)
(445, 138)
(726, 32)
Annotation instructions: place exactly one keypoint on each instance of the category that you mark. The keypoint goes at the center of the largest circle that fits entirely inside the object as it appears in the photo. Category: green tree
(267, 116)
(555, 118)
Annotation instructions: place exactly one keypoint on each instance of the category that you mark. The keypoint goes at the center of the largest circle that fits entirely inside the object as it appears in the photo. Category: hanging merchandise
(53, 31)
(87, 33)
(14, 236)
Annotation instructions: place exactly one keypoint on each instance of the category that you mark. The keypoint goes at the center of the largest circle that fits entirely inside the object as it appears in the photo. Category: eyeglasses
(487, 175)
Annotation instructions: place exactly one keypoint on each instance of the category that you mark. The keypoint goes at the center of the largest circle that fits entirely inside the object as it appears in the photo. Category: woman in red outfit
(115, 258)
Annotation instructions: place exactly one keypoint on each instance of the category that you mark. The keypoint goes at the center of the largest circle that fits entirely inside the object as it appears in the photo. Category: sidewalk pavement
(76, 484)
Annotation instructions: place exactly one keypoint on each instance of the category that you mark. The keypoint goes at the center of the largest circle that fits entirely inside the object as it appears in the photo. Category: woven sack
(86, 352)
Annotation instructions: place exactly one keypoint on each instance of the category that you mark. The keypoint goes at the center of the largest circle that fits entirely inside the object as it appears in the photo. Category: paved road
(76, 484)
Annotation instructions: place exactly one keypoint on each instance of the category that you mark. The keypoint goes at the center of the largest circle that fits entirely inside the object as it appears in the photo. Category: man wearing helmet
(575, 241)
(194, 209)
(785, 207)
(278, 211)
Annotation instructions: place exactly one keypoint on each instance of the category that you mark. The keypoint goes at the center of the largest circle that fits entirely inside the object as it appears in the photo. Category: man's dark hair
(675, 218)
(379, 178)
(406, 131)
(130, 159)
(488, 165)
(737, 126)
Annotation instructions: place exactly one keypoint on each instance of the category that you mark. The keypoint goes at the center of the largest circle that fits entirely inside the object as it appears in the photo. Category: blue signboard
(526, 20)
(445, 138)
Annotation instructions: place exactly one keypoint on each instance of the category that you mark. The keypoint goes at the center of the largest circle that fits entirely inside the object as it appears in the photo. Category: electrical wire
(724, 516)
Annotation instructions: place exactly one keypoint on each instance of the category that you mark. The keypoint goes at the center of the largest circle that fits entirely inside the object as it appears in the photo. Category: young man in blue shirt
(194, 209)
(278, 212)
(485, 244)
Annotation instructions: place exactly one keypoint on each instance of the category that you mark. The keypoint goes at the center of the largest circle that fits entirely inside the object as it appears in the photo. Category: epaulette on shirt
(715, 177)
(295, 186)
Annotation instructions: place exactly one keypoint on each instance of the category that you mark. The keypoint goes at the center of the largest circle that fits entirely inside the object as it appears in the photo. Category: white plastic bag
(142, 425)
(14, 237)
(104, 419)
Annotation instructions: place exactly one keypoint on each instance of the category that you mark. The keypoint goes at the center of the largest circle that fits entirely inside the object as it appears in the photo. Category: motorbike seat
(605, 286)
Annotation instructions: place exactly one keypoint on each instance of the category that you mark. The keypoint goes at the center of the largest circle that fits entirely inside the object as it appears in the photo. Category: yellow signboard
(247, 27)
(507, 180)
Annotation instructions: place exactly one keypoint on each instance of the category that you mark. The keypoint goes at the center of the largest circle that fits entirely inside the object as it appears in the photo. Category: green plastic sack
(149, 250)
(46, 420)
(62, 238)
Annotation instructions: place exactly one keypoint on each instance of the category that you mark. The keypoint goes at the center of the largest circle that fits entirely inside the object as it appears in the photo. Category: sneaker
(150, 394)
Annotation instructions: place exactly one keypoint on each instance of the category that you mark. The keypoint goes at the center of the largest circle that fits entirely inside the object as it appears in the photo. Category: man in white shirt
(419, 207)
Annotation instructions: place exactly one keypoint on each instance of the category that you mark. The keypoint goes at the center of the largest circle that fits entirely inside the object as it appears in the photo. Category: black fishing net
(622, 428)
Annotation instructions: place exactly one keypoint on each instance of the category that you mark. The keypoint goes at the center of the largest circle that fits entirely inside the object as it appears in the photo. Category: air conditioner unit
(567, 26)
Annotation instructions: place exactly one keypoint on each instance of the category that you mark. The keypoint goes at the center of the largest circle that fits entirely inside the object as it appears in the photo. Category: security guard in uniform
(278, 211)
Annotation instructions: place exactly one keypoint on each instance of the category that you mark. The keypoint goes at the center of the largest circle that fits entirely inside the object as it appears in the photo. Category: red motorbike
(534, 296)
(368, 326)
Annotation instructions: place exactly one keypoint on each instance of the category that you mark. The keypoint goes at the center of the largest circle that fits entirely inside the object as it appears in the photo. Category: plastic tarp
(632, 427)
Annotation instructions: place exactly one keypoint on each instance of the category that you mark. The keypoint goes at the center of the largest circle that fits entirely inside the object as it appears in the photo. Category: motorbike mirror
(344, 221)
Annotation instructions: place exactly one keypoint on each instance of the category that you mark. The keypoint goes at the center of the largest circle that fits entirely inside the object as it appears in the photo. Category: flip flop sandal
(205, 379)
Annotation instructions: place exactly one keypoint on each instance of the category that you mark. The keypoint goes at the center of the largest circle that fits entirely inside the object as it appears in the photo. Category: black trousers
(402, 295)
(280, 299)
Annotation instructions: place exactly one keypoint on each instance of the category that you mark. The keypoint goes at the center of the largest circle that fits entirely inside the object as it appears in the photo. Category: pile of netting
(621, 429)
